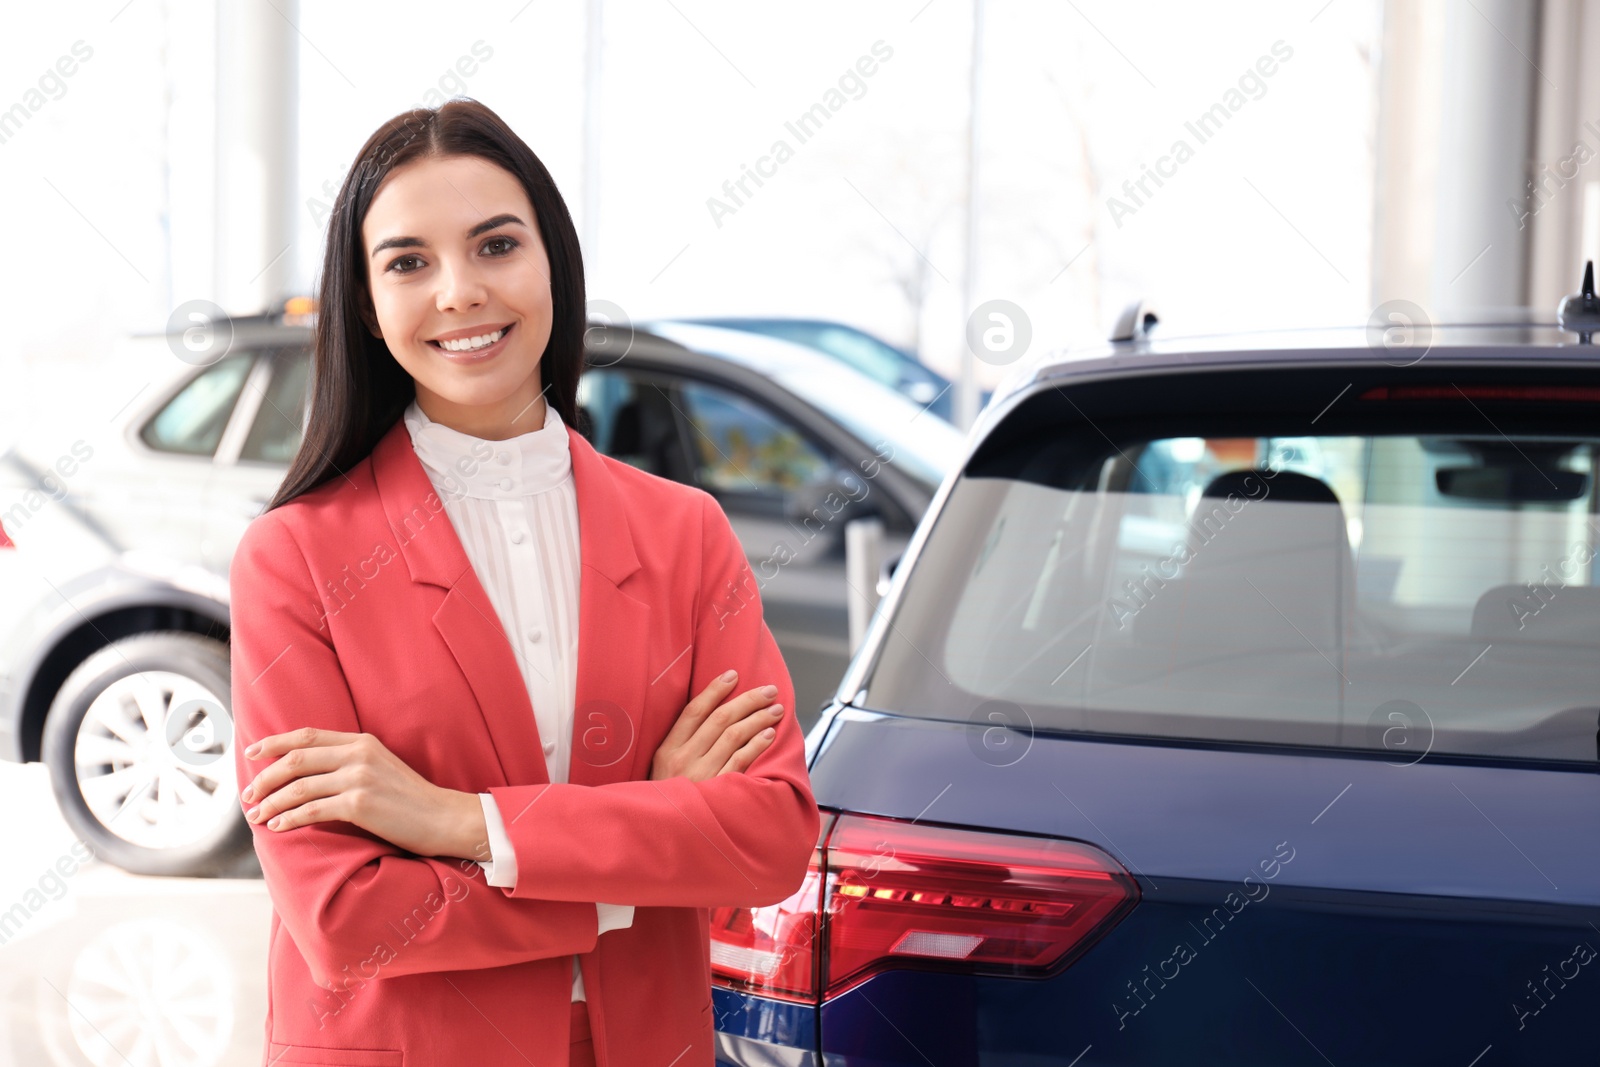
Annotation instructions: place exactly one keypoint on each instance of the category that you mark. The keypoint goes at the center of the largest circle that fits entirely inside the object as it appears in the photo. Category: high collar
(463, 465)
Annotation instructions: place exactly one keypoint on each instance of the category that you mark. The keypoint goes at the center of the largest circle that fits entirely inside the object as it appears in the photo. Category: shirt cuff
(614, 916)
(501, 867)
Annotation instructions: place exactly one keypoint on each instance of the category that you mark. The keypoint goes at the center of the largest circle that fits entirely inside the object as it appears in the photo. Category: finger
(739, 734)
(747, 753)
(740, 707)
(305, 815)
(275, 745)
(694, 713)
(286, 805)
(296, 763)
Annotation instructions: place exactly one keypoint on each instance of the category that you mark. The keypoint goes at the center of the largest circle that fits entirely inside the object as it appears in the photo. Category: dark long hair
(358, 388)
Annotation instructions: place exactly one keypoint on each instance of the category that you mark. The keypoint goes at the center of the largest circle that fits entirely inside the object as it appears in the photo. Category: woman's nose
(460, 287)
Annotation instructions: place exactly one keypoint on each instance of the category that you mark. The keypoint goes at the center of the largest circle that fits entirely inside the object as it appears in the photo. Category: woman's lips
(477, 355)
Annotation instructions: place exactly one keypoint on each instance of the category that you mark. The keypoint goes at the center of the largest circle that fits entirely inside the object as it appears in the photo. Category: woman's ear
(369, 317)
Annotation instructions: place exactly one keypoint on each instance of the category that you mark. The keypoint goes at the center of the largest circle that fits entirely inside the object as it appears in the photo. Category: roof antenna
(1135, 322)
(1579, 313)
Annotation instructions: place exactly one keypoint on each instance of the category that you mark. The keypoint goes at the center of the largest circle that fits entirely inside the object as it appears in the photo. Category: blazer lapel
(612, 625)
(613, 631)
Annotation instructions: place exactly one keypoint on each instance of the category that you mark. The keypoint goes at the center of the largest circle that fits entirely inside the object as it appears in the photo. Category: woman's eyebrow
(416, 242)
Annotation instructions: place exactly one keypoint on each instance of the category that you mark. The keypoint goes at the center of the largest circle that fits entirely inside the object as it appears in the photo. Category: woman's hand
(328, 776)
(711, 739)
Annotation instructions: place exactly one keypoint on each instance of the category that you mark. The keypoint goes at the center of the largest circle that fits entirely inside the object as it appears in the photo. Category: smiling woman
(509, 767)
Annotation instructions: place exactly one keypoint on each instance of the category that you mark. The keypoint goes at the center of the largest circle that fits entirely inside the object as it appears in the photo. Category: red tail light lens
(901, 894)
(772, 951)
(884, 893)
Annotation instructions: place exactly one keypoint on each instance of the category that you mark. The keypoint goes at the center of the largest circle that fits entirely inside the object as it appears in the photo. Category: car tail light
(887, 894)
(900, 894)
(772, 951)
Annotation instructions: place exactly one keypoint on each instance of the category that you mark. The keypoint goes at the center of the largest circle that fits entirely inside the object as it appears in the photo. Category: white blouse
(514, 506)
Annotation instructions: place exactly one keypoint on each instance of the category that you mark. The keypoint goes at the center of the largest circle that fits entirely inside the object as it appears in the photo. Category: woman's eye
(506, 245)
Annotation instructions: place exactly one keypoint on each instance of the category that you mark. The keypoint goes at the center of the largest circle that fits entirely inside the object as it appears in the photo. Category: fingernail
(249, 794)
(272, 823)
(253, 749)
(768, 732)
(770, 691)
(730, 676)
(252, 813)
(776, 709)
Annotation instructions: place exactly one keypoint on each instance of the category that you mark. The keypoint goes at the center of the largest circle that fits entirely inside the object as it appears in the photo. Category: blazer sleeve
(341, 891)
(500, 869)
(739, 840)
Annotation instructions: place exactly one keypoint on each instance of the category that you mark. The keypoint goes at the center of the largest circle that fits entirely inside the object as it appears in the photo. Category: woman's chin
(486, 392)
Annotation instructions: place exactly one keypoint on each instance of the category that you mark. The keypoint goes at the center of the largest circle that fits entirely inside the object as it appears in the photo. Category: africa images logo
(804, 127)
(1205, 126)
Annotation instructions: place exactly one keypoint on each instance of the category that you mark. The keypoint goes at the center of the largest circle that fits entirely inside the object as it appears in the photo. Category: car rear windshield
(1394, 560)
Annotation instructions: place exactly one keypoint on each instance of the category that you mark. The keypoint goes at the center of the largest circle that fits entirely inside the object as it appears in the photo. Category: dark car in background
(1236, 702)
(115, 542)
(871, 355)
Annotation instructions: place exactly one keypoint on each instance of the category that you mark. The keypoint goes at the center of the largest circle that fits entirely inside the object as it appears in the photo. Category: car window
(1410, 592)
(923, 445)
(630, 416)
(746, 450)
(192, 422)
(275, 435)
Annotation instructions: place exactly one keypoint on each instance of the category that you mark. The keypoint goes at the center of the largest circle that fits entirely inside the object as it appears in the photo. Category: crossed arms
(735, 839)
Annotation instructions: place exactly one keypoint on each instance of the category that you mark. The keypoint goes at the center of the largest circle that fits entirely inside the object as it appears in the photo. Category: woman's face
(453, 252)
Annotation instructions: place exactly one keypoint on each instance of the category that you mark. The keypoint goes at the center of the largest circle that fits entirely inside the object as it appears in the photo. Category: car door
(154, 500)
(254, 456)
(771, 479)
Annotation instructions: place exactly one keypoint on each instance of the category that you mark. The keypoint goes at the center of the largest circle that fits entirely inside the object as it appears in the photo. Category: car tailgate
(1431, 912)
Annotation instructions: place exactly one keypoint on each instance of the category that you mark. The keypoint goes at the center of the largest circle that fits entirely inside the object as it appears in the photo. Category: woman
(490, 817)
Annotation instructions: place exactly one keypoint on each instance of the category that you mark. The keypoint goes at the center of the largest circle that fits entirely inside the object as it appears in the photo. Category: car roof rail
(1134, 323)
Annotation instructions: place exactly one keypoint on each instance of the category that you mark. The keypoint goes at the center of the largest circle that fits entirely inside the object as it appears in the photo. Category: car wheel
(139, 742)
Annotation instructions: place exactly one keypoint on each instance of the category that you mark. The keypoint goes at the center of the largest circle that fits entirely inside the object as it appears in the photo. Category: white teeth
(470, 344)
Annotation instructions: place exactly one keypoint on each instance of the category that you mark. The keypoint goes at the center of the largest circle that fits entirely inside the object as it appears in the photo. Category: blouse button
(505, 483)
(535, 633)
(516, 537)
(549, 748)
(504, 458)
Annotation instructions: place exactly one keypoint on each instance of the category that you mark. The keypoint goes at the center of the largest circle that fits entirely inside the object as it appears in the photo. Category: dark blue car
(1235, 702)
(867, 353)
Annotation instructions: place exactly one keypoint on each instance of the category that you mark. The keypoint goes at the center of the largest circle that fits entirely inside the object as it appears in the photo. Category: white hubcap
(148, 790)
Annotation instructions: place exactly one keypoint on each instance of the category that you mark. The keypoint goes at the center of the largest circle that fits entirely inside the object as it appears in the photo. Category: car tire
(140, 798)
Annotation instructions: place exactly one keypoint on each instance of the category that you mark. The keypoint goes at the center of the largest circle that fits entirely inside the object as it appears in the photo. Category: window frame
(136, 436)
(273, 360)
(685, 445)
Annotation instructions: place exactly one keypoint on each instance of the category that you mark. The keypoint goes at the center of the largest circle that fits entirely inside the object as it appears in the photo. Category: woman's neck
(509, 418)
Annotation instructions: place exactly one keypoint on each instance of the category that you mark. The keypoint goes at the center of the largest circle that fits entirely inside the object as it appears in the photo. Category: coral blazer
(356, 609)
